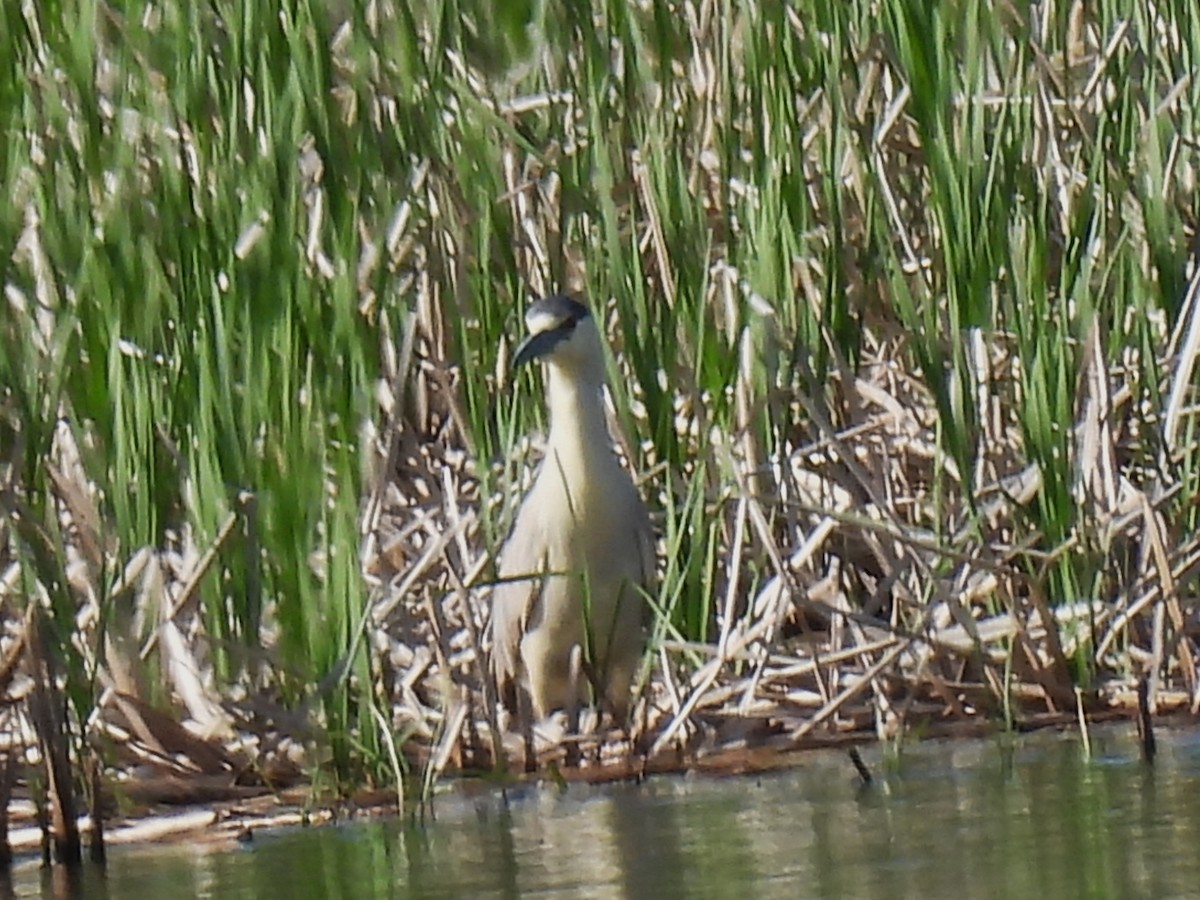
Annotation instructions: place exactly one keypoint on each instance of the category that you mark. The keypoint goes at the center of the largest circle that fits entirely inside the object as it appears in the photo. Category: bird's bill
(538, 345)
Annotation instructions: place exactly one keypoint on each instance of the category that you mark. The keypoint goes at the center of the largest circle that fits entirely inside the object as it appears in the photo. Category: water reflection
(1015, 817)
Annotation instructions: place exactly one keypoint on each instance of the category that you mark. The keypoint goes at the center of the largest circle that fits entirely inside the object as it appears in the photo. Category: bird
(579, 562)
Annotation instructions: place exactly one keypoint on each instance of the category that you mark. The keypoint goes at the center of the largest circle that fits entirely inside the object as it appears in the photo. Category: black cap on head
(558, 307)
(550, 321)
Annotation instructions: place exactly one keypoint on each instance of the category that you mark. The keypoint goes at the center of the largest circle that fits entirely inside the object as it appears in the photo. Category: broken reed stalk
(1081, 713)
(43, 822)
(47, 711)
(860, 766)
(1145, 720)
(96, 850)
(8, 776)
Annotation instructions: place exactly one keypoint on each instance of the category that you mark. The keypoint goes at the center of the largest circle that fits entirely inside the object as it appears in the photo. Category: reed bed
(903, 307)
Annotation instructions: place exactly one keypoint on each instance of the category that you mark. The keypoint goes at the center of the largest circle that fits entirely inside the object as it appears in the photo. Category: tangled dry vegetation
(862, 582)
(883, 610)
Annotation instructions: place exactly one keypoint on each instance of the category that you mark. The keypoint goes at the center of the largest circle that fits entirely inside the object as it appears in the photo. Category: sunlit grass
(224, 218)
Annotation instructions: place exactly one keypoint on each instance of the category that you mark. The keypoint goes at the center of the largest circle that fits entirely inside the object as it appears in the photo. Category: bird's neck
(578, 427)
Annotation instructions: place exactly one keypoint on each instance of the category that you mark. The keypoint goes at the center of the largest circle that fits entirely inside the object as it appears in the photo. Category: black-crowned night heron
(582, 535)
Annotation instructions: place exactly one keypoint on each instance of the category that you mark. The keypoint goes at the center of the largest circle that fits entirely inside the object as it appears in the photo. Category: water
(1015, 817)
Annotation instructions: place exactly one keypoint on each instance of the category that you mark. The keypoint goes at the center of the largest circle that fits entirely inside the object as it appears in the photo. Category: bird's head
(563, 333)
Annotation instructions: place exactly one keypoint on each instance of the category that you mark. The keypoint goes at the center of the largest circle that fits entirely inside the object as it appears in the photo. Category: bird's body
(582, 535)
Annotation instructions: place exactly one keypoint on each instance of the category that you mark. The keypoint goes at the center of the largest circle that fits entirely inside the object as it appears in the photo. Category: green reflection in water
(1023, 817)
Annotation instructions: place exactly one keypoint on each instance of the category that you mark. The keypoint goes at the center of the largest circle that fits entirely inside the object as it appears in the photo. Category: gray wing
(513, 602)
